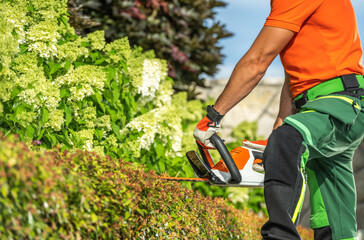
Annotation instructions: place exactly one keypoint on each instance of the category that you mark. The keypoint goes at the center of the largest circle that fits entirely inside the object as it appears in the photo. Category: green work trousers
(332, 127)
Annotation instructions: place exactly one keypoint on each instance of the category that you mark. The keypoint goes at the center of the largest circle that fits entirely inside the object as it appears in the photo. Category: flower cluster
(82, 90)
(82, 81)
(97, 40)
(86, 136)
(72, 50)
(164, 95)
(163, 123)
(56, 120)
(153, 73)
(12, 20)
(118, 50)
(42, 38)
(88, 115)
(42, 92)
(103, 122)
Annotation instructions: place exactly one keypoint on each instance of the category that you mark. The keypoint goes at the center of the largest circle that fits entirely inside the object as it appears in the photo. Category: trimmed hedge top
(80, 195)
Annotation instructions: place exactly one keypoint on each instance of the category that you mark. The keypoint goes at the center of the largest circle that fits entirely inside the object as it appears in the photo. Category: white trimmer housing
(234, 169)
(250, 177)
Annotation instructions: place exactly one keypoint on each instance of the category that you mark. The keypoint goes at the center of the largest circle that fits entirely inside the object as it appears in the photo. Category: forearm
(252, 66)
(286, 107)
(244, 78)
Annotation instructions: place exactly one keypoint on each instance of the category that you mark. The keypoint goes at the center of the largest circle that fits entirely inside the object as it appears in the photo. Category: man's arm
(252, 66)
(285, 106)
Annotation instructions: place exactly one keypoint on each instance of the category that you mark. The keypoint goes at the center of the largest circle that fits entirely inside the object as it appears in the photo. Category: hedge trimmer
(234, 168)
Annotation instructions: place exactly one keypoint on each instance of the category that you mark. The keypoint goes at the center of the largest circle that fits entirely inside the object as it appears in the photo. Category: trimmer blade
(178, 179)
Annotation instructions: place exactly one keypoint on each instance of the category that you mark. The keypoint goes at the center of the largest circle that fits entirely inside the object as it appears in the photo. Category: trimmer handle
(226, 157)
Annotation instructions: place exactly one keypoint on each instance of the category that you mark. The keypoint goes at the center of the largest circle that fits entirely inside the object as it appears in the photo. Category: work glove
(209, 125)
(259, 146)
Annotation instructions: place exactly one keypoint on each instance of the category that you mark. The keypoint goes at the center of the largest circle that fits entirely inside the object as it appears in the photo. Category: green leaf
(4, 190)
(64, 92)
(160, 150)
(98, 96)
(99, 134)
(77, 64)
(15, 92)
(162, 166)
(67, 65)
(108, 95)
(115, 90)
(45, 116)
(54, 67)
(64, 20)
(30, 131)
(67, 111)
(112, 114)
(40, 134)
(116, 129)
(23, 48)
(30, 7)
(94, 55)
(127, 215)
(110, 74)
(99, 61)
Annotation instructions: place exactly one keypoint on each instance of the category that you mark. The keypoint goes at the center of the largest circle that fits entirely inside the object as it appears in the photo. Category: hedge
(47, 194)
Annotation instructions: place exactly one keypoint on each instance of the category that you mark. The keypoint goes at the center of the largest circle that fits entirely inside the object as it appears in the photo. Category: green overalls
(332, 127)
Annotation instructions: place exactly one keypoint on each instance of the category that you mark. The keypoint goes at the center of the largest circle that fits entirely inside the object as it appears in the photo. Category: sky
(245, 18)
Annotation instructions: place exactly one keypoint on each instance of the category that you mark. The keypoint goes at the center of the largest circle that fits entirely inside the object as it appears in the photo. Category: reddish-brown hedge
(81, 195)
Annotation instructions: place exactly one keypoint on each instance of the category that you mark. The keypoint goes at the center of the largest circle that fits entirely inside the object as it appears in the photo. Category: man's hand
(260, 146)
(209, 125)
(257, 145)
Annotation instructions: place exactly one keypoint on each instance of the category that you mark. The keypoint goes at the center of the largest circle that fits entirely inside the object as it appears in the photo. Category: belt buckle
(300, 102)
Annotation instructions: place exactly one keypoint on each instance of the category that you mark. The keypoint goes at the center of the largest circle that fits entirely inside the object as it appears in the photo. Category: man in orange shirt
(321, 117)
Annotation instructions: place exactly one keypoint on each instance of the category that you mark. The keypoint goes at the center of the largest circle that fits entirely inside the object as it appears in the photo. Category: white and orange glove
(209, 125)
(260, 146)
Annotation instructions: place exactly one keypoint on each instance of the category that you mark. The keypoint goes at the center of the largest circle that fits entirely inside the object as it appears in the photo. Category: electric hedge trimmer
(234, 168)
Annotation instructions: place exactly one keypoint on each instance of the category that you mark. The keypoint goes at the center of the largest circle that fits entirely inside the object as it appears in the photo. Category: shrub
(185, 33)
(79, 92)
(80, 195)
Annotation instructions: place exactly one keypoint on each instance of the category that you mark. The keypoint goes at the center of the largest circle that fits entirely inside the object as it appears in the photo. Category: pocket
(343, 108)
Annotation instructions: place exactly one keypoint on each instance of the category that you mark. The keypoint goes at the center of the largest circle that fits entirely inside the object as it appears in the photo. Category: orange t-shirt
(326, 44)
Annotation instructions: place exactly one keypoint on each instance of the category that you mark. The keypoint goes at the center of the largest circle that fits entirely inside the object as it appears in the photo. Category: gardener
(320, 50)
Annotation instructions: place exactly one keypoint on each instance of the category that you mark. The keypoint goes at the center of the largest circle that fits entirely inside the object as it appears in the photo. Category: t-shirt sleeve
(291, 14)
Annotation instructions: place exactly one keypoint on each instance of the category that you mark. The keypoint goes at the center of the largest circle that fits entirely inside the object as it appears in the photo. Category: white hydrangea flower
(87, 135)
(77, 94)
(163, 123)
(43, 38)
(29, 96)
(164, 95)
(153, 73)
(56, 119)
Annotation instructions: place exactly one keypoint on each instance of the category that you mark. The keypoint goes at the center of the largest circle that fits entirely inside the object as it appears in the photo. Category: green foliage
(82, 196)
(185, 33)
(79, 92)
(79, 195)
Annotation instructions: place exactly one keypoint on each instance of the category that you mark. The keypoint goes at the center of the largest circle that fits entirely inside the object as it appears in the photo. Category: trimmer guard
(234, 169)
